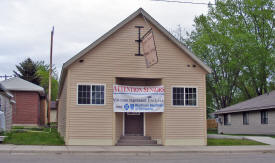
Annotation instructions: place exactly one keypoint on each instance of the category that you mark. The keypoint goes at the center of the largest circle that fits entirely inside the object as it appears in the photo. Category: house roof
(18, 84)
(265, 101)
(6, 92)
(148, 18)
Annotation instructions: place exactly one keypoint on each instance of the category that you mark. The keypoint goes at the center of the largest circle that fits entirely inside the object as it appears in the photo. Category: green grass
(18, 127)
(212, 131)
(230, 142)
(33, 136)
(272, 136)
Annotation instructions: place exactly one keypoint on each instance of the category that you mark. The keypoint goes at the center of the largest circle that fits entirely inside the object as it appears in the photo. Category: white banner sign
(138, 99)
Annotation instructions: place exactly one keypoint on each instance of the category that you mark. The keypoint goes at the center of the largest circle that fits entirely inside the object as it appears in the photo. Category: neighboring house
(87, 112)
(253, 116)
(30, 102)
(6, 105)
(53, 111)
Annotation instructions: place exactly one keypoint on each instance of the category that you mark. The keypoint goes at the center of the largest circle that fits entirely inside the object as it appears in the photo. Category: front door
(133, 123)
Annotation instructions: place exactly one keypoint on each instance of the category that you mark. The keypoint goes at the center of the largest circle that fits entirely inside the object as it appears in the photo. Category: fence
(211, 123)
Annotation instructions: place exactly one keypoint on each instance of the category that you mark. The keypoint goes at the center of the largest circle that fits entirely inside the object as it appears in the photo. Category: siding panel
(6, 107)
(27, 108)
(62, 108)
(254, 126)
(154, 126)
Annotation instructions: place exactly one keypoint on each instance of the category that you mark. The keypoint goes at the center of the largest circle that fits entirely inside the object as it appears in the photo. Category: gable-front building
(98, 86)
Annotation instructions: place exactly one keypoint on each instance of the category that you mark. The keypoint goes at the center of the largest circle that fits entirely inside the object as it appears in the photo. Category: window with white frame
(190, 96)
(184, 96)
(91, 94)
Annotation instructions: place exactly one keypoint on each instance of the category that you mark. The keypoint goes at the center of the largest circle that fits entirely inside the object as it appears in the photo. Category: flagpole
(50, 79)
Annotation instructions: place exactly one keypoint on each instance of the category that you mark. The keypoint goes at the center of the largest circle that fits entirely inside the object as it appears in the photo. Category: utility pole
(50, 79)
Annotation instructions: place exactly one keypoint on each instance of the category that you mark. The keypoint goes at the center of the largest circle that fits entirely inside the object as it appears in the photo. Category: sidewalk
(263, 139)
(132, 150)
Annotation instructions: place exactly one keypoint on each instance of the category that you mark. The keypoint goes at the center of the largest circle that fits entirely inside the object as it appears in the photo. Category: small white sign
(138, 98)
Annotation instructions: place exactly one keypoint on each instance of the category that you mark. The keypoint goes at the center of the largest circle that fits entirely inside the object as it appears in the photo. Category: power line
(6, 76)
(194, 3)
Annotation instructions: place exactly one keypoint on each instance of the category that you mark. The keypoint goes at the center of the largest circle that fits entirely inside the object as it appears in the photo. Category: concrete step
(133, 134)
(136, 137)
(136, 144)
(133, 140)
(130, 141)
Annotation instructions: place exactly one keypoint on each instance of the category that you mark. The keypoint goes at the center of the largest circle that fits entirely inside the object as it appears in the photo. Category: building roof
(6, 92)
(265, 101)
(18, 84)
(148, 18)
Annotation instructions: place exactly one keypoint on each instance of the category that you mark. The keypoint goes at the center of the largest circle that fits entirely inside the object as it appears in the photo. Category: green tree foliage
(27, 71)
(43, 73)
(236, 39)
(38, 73)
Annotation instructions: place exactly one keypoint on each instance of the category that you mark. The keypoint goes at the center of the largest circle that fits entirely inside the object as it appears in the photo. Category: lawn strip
(231, 142)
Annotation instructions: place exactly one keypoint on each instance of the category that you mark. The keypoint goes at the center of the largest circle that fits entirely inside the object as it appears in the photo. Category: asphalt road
(176, 158)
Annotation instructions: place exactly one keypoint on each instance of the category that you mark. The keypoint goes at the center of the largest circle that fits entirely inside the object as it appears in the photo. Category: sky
(25, 25)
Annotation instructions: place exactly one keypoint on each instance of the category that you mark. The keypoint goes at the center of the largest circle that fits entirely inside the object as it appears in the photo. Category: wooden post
(50, 79)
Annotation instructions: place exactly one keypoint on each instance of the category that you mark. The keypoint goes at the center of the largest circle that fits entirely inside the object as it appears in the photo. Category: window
(227, 120)
(245, 118)
(98, 94)
(190, 96)
(178, 96)
(264, 117)
(84, 94)
(91, 94)
(184, 96)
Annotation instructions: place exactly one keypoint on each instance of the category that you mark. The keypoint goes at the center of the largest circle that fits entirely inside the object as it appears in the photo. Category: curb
(132, 150)
(100, 152)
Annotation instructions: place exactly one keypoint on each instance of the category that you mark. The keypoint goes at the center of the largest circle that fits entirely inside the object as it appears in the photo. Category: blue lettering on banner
(126, 106)
(132, 106)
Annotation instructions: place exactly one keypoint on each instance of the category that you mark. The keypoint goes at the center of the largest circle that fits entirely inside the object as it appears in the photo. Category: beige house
(87, 106)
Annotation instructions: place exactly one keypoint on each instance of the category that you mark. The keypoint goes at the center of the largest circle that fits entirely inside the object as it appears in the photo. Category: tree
(38, 73)
(43, 73)
(236, 39)
(27, 71)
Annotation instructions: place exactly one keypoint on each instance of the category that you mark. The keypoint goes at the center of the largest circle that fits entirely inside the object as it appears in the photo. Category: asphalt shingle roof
(265, 101)
(2, 88)
(18, 84)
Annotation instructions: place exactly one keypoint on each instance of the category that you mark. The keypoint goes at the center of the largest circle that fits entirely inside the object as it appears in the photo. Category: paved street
(177, 158)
